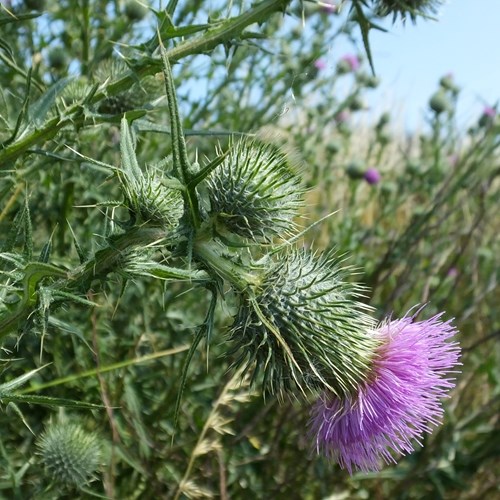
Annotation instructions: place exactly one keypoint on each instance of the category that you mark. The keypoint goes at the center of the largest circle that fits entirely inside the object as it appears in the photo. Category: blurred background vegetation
(416, 212)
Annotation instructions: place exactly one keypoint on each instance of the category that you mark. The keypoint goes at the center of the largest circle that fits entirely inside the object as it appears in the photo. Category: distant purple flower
(398, 402)
(489, 112)
(372, 176)
(329, 8)
(452, 272)
(352, 61)
(320, 64)
(342, 116)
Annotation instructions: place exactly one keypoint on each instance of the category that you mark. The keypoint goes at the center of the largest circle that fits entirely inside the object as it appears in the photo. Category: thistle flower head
(372, 176)
(256, 191)
(348, 63)
(304, 328)
(405, 8)
(320, 64)
(397, 403)
(70, 455)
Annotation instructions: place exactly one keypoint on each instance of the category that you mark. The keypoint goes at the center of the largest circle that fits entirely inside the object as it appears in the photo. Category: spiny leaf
(8, 387)
(49, 401)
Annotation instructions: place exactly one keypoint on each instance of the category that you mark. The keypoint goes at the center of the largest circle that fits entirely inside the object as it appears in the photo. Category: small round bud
(57, 58)
(487, 117)
(356, 103)
(372, 176)
(134, 11)
(367, 80)
(333, 147)
(348, 63)
(256, 191)
(355, 170)
(69, 454)
(439, 102)
(413, 167)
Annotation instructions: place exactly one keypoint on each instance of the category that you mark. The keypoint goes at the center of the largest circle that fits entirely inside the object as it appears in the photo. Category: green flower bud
(57, 58)
(302, 327)
(356, 103)
(333, 147)
(367, 80)
(139, 94)
(256, 191)
(158, 203)
(439, 102)
(413, 167)
(356, 170)
(405, 8)
(134, 11)
(69, 454)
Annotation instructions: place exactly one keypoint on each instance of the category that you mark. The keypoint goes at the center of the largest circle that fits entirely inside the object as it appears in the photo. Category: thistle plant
(129, 244)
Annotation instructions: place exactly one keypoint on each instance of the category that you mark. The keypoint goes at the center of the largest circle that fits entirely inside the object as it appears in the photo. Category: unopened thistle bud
(157, 203)
(256, 191)
(303, 327)
(57, 58)
(134, 10)
(139, 93)
(405, 8)
(69, 454)
(439, 102)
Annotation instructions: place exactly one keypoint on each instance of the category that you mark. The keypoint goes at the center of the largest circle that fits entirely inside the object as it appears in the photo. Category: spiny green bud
(356, 170)
(404, 8)
(439, 102)
(333, 147)
(356, 103)
(135, 97)
(134, 10)
(69, 454)
(57, 58)
(256, 191)
(158, 203)
(367, 80)
(303, 327)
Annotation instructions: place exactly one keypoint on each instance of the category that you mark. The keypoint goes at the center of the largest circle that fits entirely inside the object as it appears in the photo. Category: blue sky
(411, 59)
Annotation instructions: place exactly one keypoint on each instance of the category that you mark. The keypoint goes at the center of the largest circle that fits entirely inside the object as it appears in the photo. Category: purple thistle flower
(352, 61)
(320, 64)
(489, 112)
(372, 176)
(399, 401)
(328, 8)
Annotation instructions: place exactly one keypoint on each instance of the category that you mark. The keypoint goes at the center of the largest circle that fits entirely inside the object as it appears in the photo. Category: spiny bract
(256, 192)
(304, 328)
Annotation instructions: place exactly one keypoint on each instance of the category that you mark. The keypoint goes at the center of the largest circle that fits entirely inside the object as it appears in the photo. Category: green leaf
(18, 17)
(48, 401)
(38, 112)
(8, 387)
(127, 148)
(207, 170)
